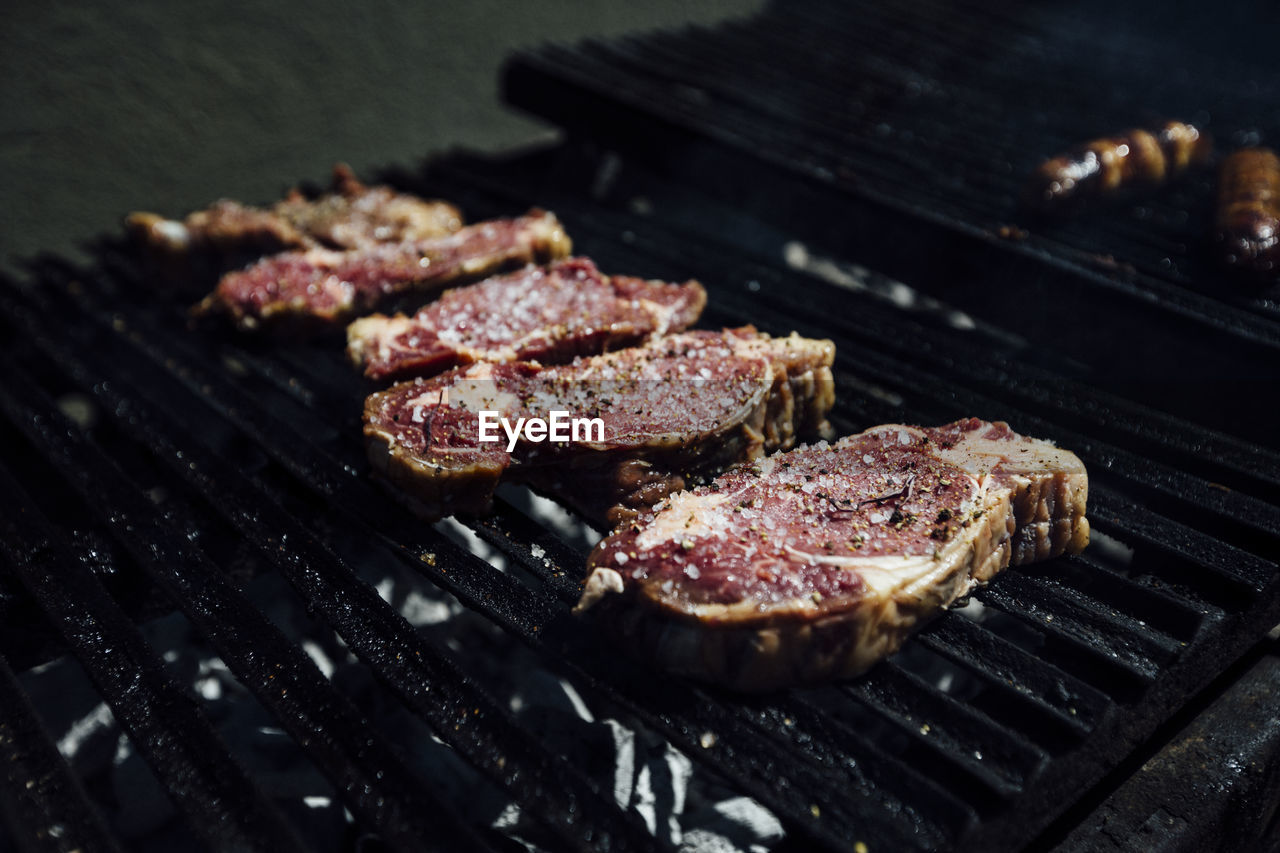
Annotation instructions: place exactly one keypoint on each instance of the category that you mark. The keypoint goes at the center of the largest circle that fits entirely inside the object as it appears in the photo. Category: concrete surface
(106, 108)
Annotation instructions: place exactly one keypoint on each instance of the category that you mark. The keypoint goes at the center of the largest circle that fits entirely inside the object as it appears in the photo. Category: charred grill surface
(904, 135)
(1048, 703)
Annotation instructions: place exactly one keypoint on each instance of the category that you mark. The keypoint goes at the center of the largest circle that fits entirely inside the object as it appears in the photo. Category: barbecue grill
(209, 607)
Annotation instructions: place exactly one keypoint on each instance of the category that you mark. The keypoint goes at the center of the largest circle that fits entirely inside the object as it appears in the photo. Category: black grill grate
(1065, 669)
(900, 134)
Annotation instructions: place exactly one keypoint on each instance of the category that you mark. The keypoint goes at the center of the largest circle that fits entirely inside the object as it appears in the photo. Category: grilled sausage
(1104, 167)
(1247, 226)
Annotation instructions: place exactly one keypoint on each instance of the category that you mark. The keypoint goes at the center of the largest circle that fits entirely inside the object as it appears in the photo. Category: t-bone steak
(549, 315)
(816, 563)
(320, 289)
(681, 407)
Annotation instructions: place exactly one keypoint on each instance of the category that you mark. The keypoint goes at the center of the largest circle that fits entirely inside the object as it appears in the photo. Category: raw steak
(228, 235)
(321, 288)
(816, 563)
(549, 315)
(681, 407)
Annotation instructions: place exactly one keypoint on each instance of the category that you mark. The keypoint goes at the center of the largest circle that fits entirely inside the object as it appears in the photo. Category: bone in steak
(683, 406)
(318, 289)
(816, 563)
(550, 315)
(228, 235)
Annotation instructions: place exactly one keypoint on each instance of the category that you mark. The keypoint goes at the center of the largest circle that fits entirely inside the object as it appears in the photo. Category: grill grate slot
(1064, 705)
(205, 783)
(556, 564)
(997, 762)
(38, 790)
(1096, 656)
(282, 677)
(1162, 611)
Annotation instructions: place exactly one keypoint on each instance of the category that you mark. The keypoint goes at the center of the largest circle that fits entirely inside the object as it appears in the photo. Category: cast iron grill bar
(753, 759)
(1117, 634)
(634, 72)
(879, 79)
(845, 719)
(1198, 600)
(632, 59)
(427, 680)
(815, 146)
(41, 802)
(283, 677)
(1166, 613)
(881, 778)
(1119, 672)
(220, 802)
(1068, 707)
(516, 535)
(955, 727)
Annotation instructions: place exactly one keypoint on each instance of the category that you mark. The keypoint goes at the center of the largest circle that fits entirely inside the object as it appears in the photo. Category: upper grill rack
(901, 135)
(1067, 671)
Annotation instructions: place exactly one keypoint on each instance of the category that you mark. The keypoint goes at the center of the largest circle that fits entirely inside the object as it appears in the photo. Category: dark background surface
(166, 106)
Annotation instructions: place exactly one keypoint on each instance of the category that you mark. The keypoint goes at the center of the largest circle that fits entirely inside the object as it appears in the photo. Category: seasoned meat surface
(680, 407)
(227, 234)
(815, 563)
(549, 315)
(319, 289)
